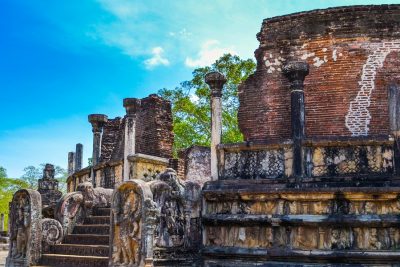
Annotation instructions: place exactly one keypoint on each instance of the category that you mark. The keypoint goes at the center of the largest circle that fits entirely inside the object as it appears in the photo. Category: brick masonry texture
(353, 58)
(154, 134)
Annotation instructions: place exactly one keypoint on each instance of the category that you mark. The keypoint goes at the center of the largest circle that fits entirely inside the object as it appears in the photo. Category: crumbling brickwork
(154, 134)
(112, 140)
(353, 58)
(153, 131)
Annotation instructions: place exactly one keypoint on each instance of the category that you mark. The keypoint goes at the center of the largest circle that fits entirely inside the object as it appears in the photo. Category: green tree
(32, 174)
(191, 103)
(8, 186)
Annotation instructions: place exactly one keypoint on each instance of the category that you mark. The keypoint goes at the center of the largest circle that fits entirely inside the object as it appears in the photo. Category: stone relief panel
(168, 193)
(134, 216)
(303, 237)
(234, 236)
(128, 233)
(25, 231)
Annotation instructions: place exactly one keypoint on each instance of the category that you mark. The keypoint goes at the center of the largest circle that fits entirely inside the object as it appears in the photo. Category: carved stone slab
(25, 230)
(133, 220)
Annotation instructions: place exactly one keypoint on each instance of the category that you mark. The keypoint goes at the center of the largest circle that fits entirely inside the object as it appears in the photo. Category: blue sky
(62, 60)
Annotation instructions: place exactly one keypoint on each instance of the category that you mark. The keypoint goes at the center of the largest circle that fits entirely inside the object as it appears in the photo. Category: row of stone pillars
(98, 121)
(295, 72)
(75, 159)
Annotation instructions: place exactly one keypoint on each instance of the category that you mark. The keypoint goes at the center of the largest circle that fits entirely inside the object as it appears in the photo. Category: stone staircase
(88, 245)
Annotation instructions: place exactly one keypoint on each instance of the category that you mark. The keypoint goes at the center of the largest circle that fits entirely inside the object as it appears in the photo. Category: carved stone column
(216, 82)
(394, 120)
(71, 163)
(295, 72)
(97, 121)
(131, 106)
(78, 157)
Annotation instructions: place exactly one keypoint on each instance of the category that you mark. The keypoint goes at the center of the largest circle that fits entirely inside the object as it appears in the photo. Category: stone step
(98, 229)
(97, 220)
(81, 250)
(86, 239)
(61, 260)
(101, 211)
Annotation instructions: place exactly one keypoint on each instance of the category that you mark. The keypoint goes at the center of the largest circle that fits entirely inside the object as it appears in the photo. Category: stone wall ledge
(339, 141)
(245, 220)
(237, 188)
(336, 256)
(147, 159)
(110, 163)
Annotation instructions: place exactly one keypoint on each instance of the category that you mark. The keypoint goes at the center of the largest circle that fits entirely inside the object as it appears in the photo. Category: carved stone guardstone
(52, 233)
(178, 233)
(133, 221)
(25, 229)
(69, 211)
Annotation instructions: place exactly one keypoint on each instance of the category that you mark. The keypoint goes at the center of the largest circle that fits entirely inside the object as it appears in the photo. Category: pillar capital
(131, 105)
(216, 81)
(296, 71)
(97, 121)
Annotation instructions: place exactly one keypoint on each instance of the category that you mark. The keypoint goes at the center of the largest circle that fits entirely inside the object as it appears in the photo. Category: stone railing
(255, 161)
(343, 157)
(320, 158)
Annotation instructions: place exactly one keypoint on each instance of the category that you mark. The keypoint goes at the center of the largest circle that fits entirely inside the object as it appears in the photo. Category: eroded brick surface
(352, 53)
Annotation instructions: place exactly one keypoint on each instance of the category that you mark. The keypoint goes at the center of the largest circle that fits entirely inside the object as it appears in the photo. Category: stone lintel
(148, 159)
(216, 81)
(131, 105)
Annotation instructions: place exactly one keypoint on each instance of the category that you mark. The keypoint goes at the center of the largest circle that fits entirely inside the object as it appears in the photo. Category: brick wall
(154, 134)
(353, 57)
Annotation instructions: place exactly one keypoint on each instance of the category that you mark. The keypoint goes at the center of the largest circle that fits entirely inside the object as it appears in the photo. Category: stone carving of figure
(129, 235)
(95, 197)
(22, 227)
(374, 242)
(339, 240)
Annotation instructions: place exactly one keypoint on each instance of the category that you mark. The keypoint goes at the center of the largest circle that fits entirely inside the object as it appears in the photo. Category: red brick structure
(353, 54)
(154, 134)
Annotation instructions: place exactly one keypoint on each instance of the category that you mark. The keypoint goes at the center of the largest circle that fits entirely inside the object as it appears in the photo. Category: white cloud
(182, 34)
(157, 58)
(210, 51)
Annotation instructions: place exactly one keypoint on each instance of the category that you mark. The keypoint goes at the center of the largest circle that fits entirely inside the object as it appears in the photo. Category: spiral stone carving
(52, 231)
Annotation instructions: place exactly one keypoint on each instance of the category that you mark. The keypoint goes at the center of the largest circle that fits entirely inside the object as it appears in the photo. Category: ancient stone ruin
(315, 183)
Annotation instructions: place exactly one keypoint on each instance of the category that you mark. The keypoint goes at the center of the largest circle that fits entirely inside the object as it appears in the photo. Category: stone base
(17, 262)
(255, 222)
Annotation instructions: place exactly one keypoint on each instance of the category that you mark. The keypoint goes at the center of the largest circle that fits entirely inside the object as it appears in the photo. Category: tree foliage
(32, 174)
(191, 103)
(8, 186)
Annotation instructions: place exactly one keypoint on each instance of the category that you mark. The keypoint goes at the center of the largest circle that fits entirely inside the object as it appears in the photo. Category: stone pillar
(394, 121)
(78, 157)
(71, 163)
(295, 72)
(97, 121)
(216, 81)
(131, 106)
